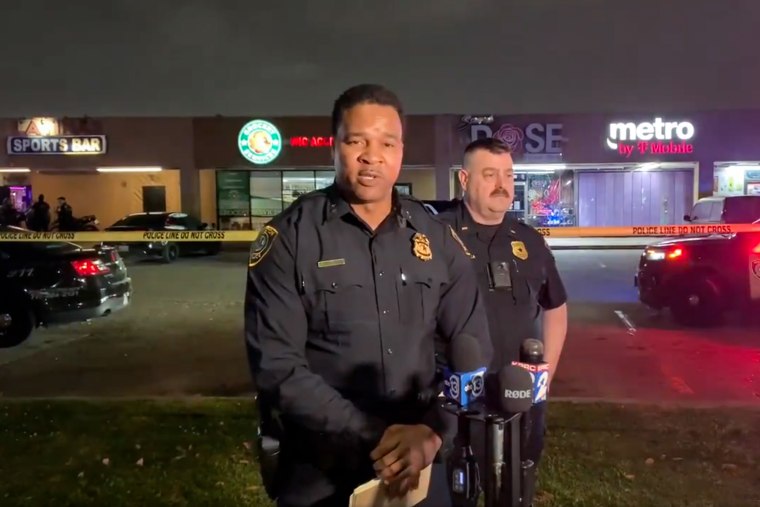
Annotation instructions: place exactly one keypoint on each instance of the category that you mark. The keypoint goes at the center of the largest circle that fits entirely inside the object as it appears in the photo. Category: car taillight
(88, 267)
(659, 254)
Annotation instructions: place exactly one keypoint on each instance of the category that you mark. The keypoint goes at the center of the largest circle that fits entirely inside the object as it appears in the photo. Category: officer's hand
(403, 451)
(400, 487)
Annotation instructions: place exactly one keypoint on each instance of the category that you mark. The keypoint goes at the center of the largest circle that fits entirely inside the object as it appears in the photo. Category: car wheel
(696, 302)
(171, 253)
(16, 324)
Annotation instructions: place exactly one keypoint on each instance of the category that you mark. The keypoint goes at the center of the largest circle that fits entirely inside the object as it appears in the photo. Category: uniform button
(334, 285)
(389, 351)
(380, 274)
(385, 312)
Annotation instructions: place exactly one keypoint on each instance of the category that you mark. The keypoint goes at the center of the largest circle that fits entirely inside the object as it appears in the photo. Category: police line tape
(249, 236)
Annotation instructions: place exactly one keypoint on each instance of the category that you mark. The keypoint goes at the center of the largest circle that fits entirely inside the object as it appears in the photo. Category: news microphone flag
(463, 387)
(540, 376)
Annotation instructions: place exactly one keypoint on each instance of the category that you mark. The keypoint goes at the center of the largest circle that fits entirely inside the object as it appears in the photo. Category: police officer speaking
(346, 291)
(515, 269)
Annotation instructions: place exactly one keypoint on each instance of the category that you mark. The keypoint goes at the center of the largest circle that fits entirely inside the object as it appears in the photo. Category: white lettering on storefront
(646, 131)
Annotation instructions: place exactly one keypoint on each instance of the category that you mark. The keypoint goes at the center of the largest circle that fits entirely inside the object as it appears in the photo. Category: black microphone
(515, 390)
(463, 384)
(532, 359)
(464, 381)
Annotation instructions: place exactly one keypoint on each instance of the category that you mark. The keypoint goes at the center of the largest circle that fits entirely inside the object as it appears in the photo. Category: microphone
(515, 390)
(464, 382)
(532, 360)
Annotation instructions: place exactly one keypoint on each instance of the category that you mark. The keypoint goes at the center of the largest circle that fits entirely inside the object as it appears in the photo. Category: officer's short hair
(490, 144)
(364, 94)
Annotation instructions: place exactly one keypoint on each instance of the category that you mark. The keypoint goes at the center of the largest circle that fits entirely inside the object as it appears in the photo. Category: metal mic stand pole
(512, 493)
(494, 460)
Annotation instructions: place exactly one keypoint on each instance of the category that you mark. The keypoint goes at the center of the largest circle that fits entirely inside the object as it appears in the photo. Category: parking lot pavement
(182, 335)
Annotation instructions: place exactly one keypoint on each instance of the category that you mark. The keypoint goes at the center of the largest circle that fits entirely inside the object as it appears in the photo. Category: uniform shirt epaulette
(314, 198)
(532, 234)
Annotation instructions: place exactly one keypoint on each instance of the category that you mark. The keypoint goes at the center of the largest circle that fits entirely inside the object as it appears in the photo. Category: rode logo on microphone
(518, 394)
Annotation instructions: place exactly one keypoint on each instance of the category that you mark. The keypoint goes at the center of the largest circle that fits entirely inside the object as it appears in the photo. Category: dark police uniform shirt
(513, 313)
(340, 322)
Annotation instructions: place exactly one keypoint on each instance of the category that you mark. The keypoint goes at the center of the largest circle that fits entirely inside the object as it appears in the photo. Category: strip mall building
(584, 170)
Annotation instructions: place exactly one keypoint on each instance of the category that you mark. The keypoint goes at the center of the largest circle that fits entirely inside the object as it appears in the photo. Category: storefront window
(266, 197)
(550, 199)
(324, 179)
(295, 184)
(232, 197)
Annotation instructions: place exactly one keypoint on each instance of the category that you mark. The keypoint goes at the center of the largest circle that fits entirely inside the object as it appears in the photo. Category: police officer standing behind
(524, 295)
(346, 291)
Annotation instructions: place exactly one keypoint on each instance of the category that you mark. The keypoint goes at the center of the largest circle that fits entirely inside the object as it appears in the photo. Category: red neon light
(756, 250)
(311, 141)
(656, 148)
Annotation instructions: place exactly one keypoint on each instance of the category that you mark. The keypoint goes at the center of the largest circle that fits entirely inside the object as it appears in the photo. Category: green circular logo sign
(259, 142)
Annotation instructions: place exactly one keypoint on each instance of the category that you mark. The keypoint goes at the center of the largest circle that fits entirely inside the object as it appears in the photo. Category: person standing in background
(516, 272)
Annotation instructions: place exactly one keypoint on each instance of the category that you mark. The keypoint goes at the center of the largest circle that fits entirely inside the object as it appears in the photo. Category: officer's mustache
(500, 191)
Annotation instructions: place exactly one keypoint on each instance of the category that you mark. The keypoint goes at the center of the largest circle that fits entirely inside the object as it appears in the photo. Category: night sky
(233, 57)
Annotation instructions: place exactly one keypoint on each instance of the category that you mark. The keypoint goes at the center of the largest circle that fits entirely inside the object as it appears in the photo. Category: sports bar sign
(57, 145)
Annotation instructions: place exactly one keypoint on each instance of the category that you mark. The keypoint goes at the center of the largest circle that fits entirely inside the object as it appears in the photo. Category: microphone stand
(513, 492)
(495, 466)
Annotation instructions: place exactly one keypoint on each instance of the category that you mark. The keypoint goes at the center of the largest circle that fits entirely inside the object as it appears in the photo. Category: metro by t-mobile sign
(655, 138)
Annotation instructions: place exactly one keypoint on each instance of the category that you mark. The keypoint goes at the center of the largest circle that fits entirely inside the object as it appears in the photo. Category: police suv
(45, 283)
(701, 278)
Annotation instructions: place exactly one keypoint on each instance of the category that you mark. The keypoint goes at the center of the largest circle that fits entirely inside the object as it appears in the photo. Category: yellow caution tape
(249, 236)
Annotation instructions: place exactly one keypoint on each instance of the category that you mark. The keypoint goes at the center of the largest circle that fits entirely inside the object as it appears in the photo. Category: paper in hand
(373, 493)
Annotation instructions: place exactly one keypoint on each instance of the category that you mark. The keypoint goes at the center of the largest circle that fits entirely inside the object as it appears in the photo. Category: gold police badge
(262, 245)
(421, 247)
(519, 250)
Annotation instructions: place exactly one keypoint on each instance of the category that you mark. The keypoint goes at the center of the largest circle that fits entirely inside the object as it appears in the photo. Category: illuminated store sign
(535, 138)
(311, 141)
(56, 145)
(259, 142)
(655, 138)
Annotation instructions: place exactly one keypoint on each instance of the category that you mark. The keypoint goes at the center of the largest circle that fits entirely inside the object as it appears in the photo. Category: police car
(46, 283)
(167, 251)
(701, 278)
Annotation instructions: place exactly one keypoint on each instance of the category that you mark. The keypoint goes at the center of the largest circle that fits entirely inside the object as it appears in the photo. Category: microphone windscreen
(515, 389)
(464, 353)
(532, 349)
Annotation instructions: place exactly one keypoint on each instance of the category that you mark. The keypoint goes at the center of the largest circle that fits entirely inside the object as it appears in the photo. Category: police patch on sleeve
(262, 245)
(460, 242)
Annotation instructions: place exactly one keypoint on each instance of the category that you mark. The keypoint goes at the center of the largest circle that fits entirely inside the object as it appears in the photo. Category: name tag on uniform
(331, 263)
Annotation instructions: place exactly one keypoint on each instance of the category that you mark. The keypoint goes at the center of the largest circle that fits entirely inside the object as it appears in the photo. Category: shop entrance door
(517, 211)
(154, 198)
